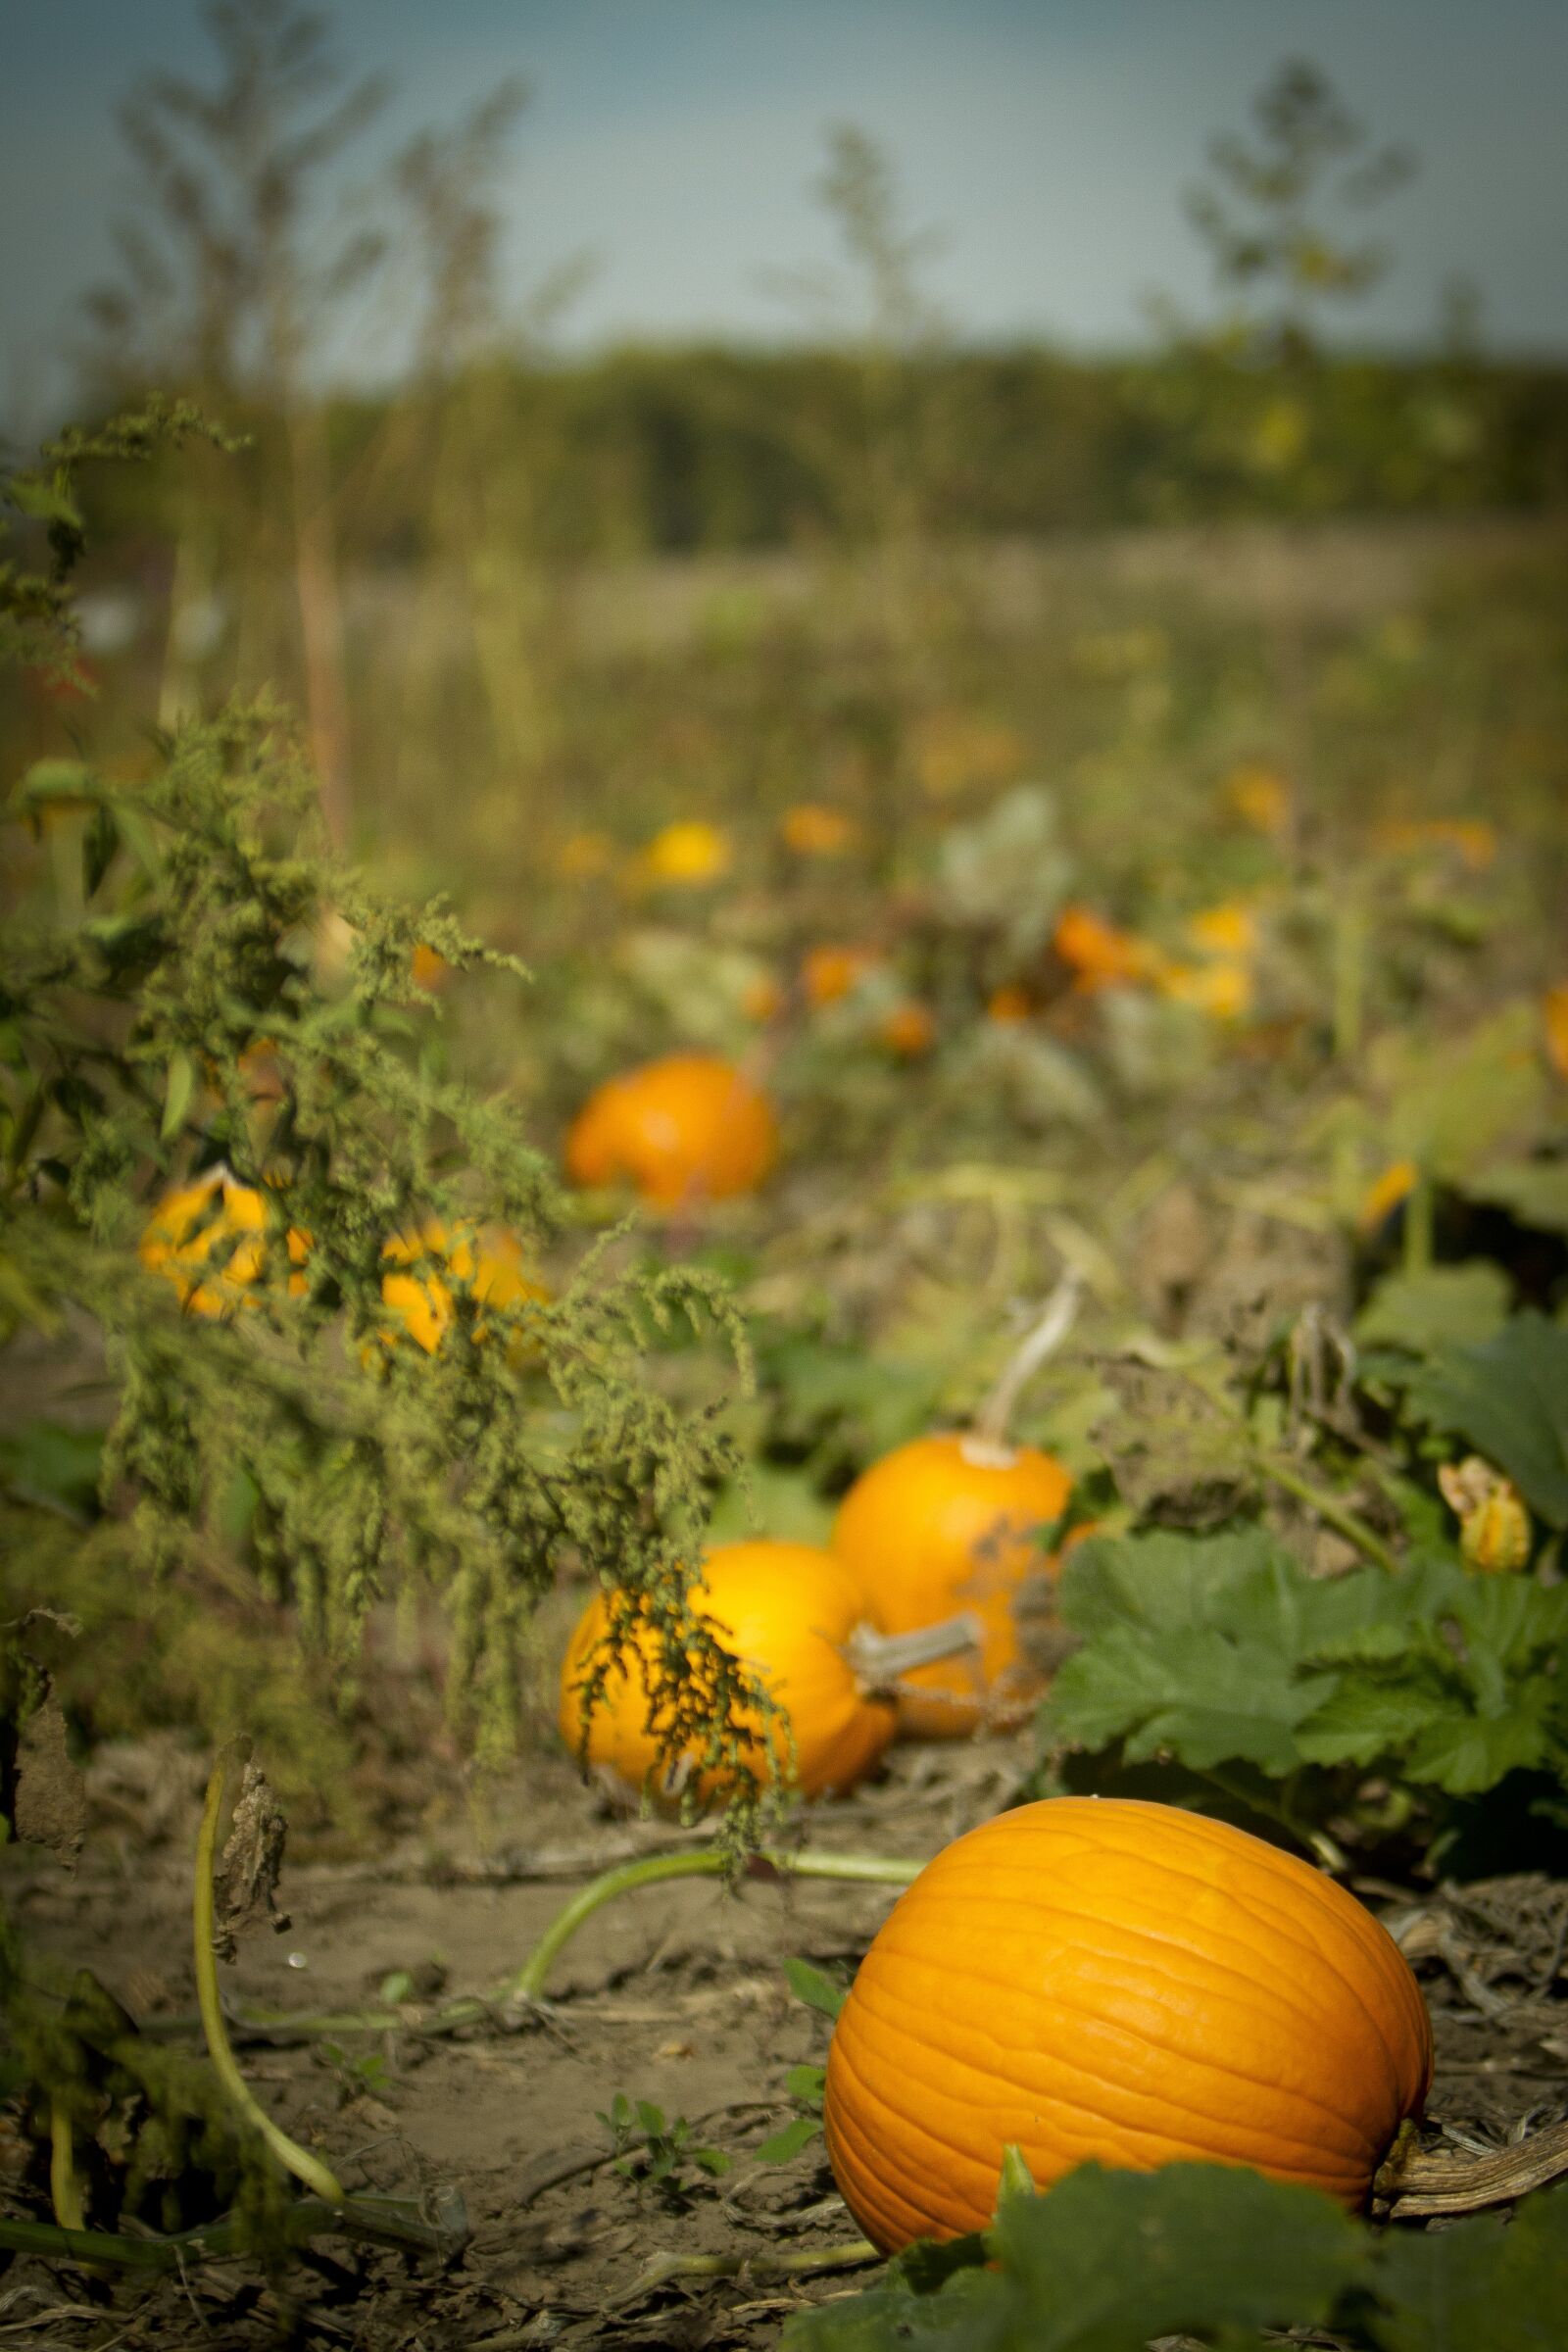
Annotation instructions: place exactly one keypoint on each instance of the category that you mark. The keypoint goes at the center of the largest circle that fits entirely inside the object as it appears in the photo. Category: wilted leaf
(51, 1803)
(245, 1882)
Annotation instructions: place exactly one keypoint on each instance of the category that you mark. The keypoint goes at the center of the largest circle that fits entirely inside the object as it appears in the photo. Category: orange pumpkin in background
(683, 1130)
(1099, 1980)
(952, 1521)
(791, 1611)
(829, 974)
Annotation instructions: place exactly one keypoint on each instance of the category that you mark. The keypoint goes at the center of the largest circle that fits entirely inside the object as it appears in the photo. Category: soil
(674, 1994)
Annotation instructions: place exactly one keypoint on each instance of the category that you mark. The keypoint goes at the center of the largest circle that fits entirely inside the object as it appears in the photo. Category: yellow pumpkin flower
(686, 854)
(1222, 990)
(1228, 929)
(1494, 1531)
(1385, 1193)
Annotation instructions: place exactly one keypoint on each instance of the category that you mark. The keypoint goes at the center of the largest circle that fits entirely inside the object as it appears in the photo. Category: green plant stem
(1318, 1843)
(1418, 1226)
(1337, 1515)
(377, 2221)
(305, 2167)
(65, 2189)
(865, 1869)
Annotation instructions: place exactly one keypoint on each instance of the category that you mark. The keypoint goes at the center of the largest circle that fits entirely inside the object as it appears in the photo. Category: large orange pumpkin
(1095, 1979)
(686, 1129)
(948, 1522)
(798, 1618)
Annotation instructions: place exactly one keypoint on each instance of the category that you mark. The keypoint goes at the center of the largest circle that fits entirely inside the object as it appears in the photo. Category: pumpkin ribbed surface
(686, 1129)
(946, 1523)
(1096, 1979)
(788, 1611)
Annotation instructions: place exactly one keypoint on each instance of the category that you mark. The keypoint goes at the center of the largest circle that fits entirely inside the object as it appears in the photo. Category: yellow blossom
(688, 852)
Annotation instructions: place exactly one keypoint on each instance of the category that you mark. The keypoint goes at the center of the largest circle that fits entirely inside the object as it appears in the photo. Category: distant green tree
(1271, 209)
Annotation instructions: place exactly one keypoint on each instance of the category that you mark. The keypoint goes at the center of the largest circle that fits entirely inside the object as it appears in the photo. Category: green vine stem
(65, 2189)
(375, 2220)
(305, 2167)
(866, 1869)
(1333, 1513)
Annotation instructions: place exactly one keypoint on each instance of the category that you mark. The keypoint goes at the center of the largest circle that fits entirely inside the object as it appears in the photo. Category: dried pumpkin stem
(881, 1660)
(803, 2263)
(305, 2167)
(994, 1420)
(874, 1870)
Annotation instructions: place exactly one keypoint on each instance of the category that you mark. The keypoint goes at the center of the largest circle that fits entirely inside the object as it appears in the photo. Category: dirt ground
(672, 1995)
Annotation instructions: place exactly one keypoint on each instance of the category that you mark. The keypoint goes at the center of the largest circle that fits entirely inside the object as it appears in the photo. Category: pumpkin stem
(880, 1660)
(989, 1434)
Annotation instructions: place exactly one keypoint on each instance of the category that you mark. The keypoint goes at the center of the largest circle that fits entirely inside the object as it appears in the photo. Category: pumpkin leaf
(1106, 2261)
(1486, 2283)
(1221, 1650)
(1509, 1397)
(1440, 1307)
(810, 1985)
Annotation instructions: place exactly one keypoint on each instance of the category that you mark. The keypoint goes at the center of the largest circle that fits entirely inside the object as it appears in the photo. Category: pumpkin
(685, 1129)
(196, 1223)
(1099, 1979)
(489, 1262)
(908, 1029)
(797, 1617)
(829, 974)
(1098, 954)
(952, 1521)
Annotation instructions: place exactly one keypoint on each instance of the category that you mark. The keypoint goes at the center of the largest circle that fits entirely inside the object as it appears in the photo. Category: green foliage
(1220, 1650)
(1509, 1396)
(660, 2151)
(133, 1011)
(1108, 2261)
(153, 2140)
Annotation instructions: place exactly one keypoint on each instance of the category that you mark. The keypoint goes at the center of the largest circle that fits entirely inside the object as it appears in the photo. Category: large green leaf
(1106, 2261)
(1222, 1650)
(1440, 1307)
(1483, 2287)
(1509, 1398)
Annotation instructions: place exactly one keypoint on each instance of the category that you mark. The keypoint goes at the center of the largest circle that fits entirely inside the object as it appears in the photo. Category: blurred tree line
(877, 440)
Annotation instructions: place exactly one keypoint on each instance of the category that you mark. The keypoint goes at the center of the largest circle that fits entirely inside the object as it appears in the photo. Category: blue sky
(676, 140)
